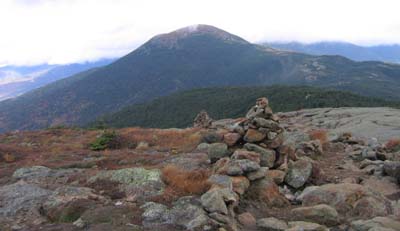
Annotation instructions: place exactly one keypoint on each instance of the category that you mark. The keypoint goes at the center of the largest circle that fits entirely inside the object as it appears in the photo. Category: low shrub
(393, 145)
(107, 140)
(321, 135)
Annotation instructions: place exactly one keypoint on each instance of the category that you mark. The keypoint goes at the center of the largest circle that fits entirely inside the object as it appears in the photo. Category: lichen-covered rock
(186, 212)
(321, 214)
(312, 148)
(21, 197)
(68, 202)
(267, 156)
(138, 182)
(298, 173)
(44, 176)
(347, 199)
(271, 224)
(217, 151)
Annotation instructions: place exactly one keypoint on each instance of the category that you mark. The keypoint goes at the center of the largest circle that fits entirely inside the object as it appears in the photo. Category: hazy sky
(64, 31)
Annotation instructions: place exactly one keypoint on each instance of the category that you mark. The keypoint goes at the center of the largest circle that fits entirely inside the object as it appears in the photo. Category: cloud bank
(65, 31)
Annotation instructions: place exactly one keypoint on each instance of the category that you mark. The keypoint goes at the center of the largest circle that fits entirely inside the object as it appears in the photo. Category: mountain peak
(171, 39)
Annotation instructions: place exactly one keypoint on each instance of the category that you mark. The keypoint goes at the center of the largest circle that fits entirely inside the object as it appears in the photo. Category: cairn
(252, 159)
(202, 120)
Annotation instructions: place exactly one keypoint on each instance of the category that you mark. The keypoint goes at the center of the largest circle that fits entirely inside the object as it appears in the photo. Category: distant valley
(17, 80)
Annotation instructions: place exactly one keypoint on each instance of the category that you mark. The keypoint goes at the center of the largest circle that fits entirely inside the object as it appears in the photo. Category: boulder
(222, 181)
(277, 176)
(305, 226)
(271, 224)
(266, 191)
(217, 151)
(249, 155)
(231, 138)
(298, 173)
(45, 176)
(322, 214)
(247, 220)
(266, 123)
(375, 223)
(240, 184)
(215, 200)
(235, 167)
(21, 197)
(392, 168)
(260, 173)
(267, 156)
(386, 186)
(140, 183)
(347, 199)
(186, 212)
(253, 136)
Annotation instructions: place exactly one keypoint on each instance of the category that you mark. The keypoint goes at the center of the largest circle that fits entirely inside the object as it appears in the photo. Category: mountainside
(16, 80)
(192, 57)
(179, 109)
(384, 53)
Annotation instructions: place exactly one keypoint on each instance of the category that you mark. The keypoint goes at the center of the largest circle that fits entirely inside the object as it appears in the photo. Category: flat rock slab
(381, 122)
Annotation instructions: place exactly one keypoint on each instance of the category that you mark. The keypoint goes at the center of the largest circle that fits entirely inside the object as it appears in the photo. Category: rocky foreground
(304, 170)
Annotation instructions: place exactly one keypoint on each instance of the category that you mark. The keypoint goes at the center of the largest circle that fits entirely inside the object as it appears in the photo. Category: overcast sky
(65, 31)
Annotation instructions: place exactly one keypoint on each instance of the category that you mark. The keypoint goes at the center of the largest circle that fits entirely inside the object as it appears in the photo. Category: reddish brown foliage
(393, 144)
(321, 135)
(184, 181)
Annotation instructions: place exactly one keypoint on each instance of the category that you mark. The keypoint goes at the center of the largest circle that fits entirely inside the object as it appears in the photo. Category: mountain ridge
(201, 59)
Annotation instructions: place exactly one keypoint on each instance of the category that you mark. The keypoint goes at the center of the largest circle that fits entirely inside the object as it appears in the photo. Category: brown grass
(186, 182)
(321, 135)
(393, 144)
(180, 140)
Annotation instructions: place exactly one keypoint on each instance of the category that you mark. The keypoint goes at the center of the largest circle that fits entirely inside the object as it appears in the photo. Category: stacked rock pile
(251, 157)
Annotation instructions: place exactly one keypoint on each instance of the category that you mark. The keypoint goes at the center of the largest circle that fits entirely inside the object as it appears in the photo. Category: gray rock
(217, 151)
(185, 212)
(139, 182)
(260, 173)
(368, 153)
(305, 226)
(44, 176)
(364, 203)
(272, 224)
(322, 214)
(392, 168)
(267, 156)
(298, 173)
(215, 200)
(203, 147)
(220, 180)
(266, 123)
(376, 223)
(21, 197)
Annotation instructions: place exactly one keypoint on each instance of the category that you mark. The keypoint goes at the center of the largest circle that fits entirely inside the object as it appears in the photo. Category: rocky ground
(319, 169)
